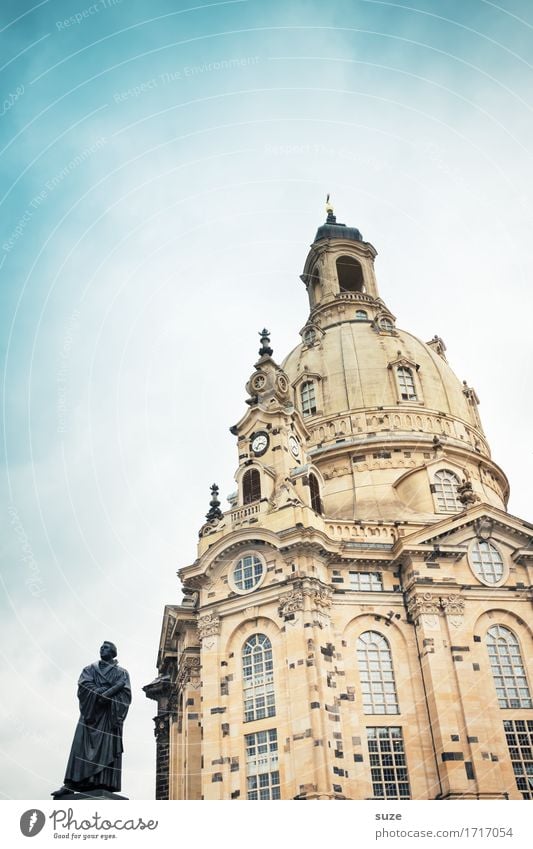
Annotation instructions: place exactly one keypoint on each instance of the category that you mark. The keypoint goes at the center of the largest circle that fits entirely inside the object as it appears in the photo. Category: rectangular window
(519, 734)
(262, 769)
(366, 581)
(308, 397)
(388, 766)
(406, 384)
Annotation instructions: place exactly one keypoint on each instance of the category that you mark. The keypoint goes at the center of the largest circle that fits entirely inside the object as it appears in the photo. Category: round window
(258, 381)
(247, 573)
(386, 324)
(486, 561)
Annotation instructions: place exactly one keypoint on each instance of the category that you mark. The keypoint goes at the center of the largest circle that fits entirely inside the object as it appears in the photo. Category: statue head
(108, 651)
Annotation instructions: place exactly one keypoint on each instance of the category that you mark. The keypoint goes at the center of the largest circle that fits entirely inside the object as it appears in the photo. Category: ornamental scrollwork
(423, 604)
(294, 601)
(208, 626)
(161, 723)
(291, 602)
(453, 605)
(189, 668)
(483, 527)
(320, 596)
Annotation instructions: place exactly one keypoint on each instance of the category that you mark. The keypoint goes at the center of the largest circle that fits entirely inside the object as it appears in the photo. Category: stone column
(305, 610)
(453, 704)
(215, 775)
(185, 743)
(441, 692)
(489, 774)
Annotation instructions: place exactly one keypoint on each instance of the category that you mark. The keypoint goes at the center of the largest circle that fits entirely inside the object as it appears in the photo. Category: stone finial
(214, 511)
(265, 350)
(331, 218)
(437, 345)
(470, 393)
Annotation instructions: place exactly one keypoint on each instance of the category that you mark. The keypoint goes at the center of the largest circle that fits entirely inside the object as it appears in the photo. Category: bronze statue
(95, 761)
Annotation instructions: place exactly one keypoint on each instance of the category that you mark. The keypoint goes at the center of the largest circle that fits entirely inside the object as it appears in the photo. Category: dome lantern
(340, 265)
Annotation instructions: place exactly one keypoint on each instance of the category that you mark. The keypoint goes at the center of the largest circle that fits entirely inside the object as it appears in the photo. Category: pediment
(304, 375)
(404, 362)
(483, 521)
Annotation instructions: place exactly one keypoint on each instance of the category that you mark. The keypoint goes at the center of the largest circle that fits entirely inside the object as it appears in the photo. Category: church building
(358, 623)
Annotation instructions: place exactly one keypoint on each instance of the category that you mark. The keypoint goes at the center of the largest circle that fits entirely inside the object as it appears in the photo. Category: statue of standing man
(104, 694)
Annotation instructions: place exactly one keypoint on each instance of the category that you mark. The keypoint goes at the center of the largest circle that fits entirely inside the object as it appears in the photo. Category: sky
(163, 170)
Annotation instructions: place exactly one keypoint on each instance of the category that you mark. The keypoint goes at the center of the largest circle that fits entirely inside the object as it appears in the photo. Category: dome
(354, 362)
(338, 231)
(386, 417)
(333, 229)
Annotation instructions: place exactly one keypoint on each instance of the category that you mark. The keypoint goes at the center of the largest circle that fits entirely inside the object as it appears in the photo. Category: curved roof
(353, 359)
(338, 231)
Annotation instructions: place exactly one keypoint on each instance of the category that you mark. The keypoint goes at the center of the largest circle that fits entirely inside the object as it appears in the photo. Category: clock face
(260, 443)
(294, 447)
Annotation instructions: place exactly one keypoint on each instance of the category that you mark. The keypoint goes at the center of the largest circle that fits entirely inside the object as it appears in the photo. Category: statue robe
(96, 754)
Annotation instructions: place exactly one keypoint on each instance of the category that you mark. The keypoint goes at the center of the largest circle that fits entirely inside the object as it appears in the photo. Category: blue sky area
(163, 170)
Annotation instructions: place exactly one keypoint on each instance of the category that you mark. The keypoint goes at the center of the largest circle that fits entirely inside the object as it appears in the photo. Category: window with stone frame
(519, 736)
(508, 669)
(366, 581)
(258, 678)
(247, 572)
(251, 486)
(444, 488)
(308, 398)
(314, 490)
(378, 687)
(262, 765)
(406, 383)
(388, 764)
(486, 561)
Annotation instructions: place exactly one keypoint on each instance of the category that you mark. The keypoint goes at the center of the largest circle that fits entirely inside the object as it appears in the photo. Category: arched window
(349, 274)
(361, 315)
(406, 383)
(314, 489)
(486, 561)
(376, 673)
(316, 288)
(308, 398)
(444, 487)
(258, 678)
(508, 668)
(251, 486)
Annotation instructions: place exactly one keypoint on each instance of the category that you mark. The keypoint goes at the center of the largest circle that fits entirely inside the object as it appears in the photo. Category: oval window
(486, 562)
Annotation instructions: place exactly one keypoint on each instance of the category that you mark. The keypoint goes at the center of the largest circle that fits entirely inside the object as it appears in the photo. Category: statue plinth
(76, 796)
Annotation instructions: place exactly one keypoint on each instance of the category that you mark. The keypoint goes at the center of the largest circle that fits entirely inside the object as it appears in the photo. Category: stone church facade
(358, 625)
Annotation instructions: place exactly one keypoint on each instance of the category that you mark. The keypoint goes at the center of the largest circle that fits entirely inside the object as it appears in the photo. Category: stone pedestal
(73, 796)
